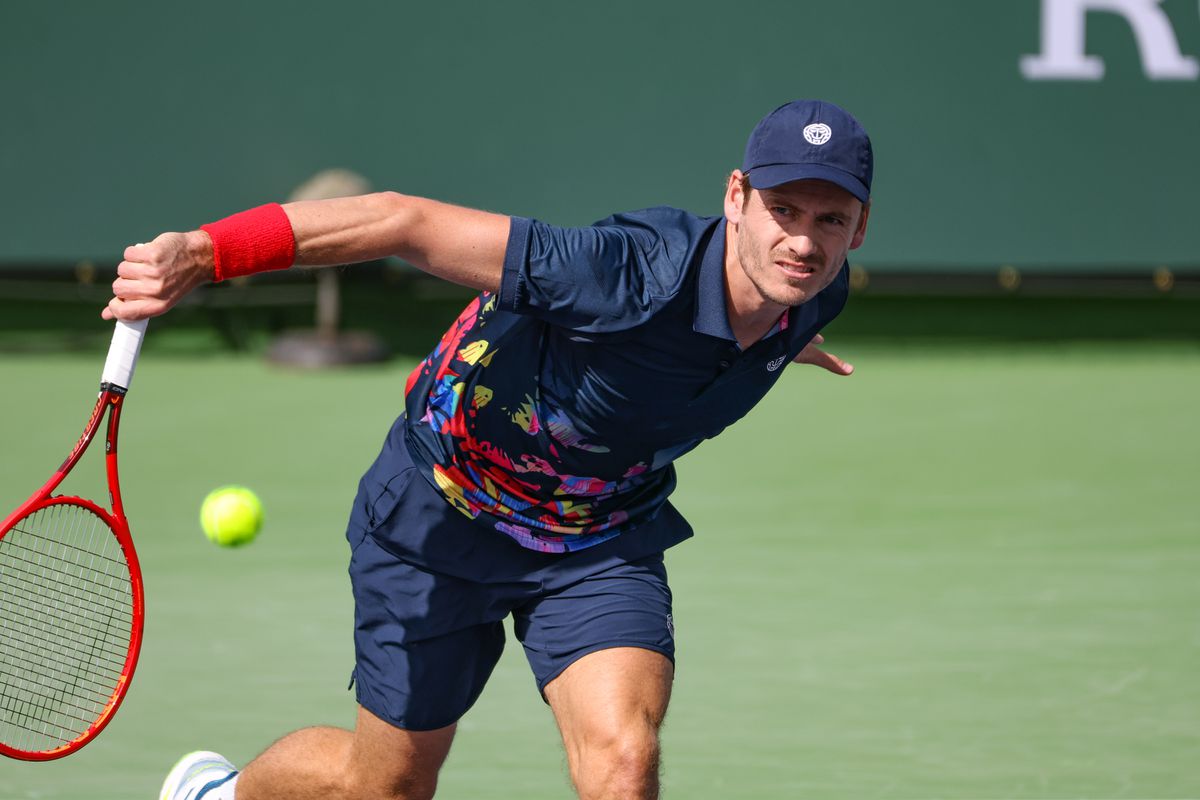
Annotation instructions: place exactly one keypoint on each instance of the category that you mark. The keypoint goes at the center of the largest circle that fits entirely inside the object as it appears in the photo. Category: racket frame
(108, 404)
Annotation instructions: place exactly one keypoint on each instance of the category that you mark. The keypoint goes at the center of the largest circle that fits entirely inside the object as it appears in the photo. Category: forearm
(348, 230)
(314, 233)
(459, 244)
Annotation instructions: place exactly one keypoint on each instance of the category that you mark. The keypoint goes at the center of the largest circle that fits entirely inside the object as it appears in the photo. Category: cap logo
(817, 133)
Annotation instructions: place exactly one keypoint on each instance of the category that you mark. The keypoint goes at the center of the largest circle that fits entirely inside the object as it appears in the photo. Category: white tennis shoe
(195, 774)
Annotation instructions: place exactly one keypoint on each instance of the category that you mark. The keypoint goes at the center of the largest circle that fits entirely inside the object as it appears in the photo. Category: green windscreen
(121, 120)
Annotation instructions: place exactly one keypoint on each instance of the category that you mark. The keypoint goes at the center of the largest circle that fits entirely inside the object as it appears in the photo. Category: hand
(155, 276)
(811, 354)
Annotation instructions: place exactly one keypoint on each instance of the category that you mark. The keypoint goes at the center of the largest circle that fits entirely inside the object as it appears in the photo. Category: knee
(619, 763)
(410, 784)
(635, 758)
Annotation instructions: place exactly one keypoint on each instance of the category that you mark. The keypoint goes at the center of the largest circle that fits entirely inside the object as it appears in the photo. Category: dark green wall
(123, 119)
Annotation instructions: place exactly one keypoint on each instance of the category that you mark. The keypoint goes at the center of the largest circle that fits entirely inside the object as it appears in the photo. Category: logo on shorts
(776, 363)
(818, 133)
(671, 626)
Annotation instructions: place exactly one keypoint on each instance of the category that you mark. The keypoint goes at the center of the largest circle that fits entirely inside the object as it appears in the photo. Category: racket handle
(123, 353)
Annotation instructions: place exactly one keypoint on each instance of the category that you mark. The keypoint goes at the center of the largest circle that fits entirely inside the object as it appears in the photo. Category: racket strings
(27, 571)
(66, 627)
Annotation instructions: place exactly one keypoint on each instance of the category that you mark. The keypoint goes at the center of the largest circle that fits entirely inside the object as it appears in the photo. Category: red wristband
(257, 240)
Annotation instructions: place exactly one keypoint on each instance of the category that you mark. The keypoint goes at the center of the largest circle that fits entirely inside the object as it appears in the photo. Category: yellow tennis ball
(231, 516)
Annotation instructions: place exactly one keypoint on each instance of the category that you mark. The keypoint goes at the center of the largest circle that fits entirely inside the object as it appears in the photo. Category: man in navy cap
(530, 470)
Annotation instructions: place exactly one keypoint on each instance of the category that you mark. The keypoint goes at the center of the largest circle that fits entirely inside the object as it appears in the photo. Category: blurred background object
(570, 114)
(327, 344)
(1032, 149)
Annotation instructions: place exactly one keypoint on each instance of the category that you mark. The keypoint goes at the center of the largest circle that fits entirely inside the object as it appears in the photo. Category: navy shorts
(432, 587)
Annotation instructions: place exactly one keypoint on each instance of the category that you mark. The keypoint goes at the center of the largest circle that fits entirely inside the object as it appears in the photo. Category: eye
(782, 211)
(832, 220)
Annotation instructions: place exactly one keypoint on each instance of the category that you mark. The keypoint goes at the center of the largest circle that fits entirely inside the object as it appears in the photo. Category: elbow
(402, 217)
(402, 209)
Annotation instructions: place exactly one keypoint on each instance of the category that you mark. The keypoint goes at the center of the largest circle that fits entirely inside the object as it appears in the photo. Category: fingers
(138, 282)
(133, 300)
(138, 278)
(138, 252)
(141, 259)
(130, 310)
(814, 355)
(834, 364)
(826, 361)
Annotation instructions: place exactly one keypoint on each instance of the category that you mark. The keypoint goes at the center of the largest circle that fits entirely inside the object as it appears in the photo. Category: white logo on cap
(817, 133)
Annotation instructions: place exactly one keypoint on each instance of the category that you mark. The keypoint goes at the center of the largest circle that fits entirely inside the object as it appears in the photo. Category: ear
(734, 197)
(861, 233)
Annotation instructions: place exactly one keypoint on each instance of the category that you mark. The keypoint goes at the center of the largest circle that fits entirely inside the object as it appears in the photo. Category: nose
(802, 242)
(803, 246)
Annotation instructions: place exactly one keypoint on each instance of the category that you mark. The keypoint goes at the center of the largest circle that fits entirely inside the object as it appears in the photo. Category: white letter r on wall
(1064, 35)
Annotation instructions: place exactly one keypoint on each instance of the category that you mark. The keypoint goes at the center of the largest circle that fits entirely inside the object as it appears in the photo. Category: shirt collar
(712, 317)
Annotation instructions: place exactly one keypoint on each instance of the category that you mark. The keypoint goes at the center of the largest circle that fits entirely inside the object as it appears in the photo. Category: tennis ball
(231, 516)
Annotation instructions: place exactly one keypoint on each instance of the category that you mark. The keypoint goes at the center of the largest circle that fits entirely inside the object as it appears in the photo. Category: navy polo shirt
(553, 410)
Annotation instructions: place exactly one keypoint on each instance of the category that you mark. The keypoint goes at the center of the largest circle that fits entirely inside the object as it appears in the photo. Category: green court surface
(967, 572)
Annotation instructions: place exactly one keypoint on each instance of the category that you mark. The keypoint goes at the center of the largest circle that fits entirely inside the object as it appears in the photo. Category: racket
(70, 595)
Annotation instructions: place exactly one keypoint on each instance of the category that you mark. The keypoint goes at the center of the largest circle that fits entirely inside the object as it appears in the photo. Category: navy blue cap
(807, 139)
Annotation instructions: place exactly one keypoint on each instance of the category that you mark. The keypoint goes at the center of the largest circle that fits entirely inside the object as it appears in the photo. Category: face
(791, 240)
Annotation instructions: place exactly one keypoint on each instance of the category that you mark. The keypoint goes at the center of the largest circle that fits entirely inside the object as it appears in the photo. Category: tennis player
(530, 471)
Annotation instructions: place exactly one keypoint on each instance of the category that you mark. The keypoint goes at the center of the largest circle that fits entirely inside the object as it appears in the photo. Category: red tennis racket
(70, 595)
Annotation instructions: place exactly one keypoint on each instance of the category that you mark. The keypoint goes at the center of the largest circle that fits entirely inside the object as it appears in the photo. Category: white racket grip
(123, 353)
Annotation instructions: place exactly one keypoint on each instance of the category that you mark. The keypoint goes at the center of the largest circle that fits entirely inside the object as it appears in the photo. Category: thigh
(425, 643)
(611, 693)
(386, 761)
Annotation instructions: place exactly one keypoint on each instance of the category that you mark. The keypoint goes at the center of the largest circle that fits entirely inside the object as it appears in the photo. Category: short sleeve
(604, 277)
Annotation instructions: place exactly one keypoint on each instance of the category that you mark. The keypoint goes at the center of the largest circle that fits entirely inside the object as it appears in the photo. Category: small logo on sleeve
(776, 363)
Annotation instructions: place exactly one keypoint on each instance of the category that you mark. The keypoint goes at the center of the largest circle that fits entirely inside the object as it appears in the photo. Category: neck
(751, 316)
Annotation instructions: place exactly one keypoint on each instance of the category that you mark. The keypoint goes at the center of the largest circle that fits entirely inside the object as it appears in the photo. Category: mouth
(796, 270)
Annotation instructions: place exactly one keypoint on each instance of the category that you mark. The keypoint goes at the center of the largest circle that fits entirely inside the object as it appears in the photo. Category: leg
(601, 643)
(416, 665)
(609, 706)
(377, 760)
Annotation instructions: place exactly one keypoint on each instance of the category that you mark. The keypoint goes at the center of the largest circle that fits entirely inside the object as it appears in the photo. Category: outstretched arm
(458, 244)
